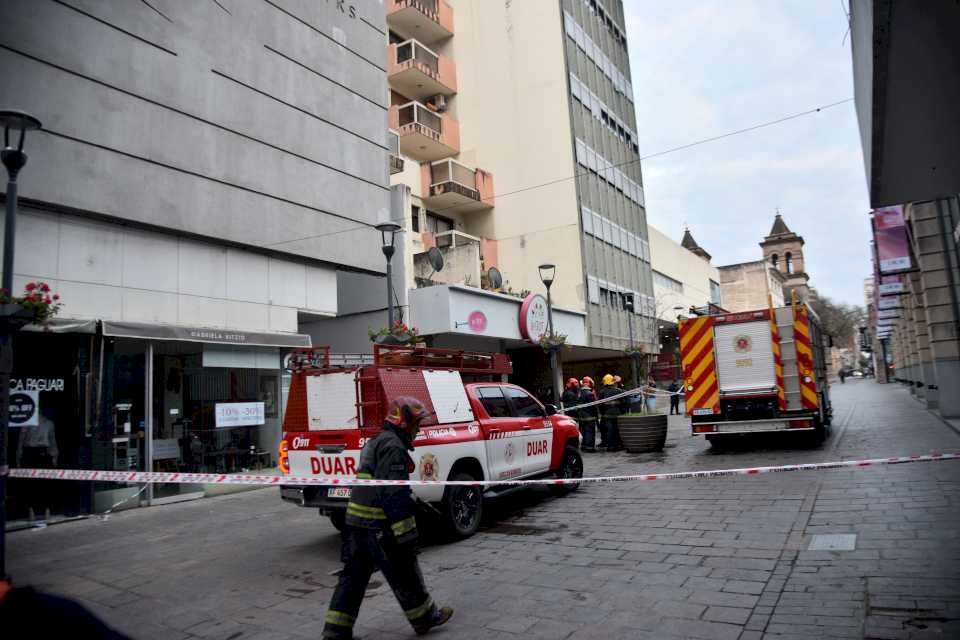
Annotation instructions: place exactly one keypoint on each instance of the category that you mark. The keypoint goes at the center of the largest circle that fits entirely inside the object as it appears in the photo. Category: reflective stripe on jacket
(385, 457)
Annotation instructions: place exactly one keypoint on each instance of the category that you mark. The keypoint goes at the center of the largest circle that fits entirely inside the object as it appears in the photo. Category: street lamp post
(629, 305)
(14, 160)
(388, 232)
(547, 273)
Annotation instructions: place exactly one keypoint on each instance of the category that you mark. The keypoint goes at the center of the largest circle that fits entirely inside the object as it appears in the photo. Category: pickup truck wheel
(571, 466)
(338, 519)
(462, 508)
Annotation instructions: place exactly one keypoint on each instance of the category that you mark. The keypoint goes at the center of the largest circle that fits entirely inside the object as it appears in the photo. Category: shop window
(493, 401)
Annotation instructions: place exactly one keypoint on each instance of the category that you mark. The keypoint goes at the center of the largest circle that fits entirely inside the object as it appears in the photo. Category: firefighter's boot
(437, 618)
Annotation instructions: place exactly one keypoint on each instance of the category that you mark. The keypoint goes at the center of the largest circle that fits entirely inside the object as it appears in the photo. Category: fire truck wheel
(571, 466)
(462, 508)
(719, 443)
(338, 519)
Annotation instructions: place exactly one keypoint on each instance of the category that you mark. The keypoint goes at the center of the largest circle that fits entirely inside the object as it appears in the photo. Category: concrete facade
(199, 165)
(746, 286)
(532, 110)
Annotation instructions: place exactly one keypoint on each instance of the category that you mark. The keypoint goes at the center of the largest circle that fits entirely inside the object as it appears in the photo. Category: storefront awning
(201, 334)
(58, 325)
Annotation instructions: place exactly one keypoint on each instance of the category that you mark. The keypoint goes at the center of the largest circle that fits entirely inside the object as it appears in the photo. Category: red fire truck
(757, 371)
(483, 429)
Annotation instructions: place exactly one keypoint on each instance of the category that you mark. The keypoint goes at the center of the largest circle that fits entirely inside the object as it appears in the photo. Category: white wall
(113, 272)
(695, 273)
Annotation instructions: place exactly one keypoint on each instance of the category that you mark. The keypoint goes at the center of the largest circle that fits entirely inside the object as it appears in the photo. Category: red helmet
(587, 382)
(406, 410)
(572, 382)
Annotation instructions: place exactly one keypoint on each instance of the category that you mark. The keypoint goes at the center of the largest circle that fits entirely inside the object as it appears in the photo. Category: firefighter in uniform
(571, 397)
(381, 530)
(610, 412)
(588, 415)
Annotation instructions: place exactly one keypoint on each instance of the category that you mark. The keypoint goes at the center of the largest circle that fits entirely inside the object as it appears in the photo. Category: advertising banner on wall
(890, 236)
(887, 302)
(888, 313)
(891, 285)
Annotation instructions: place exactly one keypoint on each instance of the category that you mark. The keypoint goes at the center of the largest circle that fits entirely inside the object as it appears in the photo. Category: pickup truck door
(504, 435)
(537, 429)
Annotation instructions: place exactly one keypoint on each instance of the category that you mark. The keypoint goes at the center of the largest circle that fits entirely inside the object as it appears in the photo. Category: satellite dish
(435, 256)
(495, 278)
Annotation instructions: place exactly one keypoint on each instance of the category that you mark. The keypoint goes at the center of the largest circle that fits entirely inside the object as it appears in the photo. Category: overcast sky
(705, 67)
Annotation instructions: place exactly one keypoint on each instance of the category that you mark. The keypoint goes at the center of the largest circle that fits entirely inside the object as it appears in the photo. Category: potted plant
(643, 432)
(36, 305)
(548, 342)
(399, 333)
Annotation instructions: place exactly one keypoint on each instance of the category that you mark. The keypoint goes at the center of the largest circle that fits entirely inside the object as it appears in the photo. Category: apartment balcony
(426, 20)
(425, 135)
(449, 185)
(461, 260)
(393, 143)
(418, 73)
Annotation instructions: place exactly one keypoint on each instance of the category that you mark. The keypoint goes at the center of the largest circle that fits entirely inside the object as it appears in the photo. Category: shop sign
(36, 384)
(888, 313)
(199, 334)
(24, 408)
(239, 414)
(533, 317)
(888, 303)
(477, 321)
(891, 284)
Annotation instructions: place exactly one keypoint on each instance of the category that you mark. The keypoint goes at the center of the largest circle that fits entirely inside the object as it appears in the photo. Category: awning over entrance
(201, 334)
(468, 311)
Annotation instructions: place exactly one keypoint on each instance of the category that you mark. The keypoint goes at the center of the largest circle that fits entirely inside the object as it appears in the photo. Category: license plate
(708, 411)
(753, 427)
(338, 492)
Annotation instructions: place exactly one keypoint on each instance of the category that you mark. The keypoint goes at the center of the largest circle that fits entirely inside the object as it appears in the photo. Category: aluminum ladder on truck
(788, 355)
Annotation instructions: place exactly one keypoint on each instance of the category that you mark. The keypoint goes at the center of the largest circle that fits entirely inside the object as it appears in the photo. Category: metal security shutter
(745, 369)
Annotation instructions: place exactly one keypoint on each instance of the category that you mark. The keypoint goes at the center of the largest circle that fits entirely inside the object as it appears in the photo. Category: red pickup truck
(483, 429)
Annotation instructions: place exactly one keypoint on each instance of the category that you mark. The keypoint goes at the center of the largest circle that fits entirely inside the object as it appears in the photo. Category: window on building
(715, 292)
(415, 219)
(775, 261)
(666, 282)
(789, 261)
(438, 224)
(493, 401)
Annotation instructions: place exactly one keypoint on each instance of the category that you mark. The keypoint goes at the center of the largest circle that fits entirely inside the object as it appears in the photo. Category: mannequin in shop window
(37, 449)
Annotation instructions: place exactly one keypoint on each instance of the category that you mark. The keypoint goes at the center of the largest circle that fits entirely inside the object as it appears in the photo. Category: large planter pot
(642, 434)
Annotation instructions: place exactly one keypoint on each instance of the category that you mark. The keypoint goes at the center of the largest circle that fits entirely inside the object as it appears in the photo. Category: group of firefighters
(582, 392)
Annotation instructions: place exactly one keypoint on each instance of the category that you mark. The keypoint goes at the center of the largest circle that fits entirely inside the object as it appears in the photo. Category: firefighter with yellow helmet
(381, 530)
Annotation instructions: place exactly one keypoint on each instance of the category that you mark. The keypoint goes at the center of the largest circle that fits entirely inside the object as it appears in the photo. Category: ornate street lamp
(388, 233)
(547, 273)
(14, 159)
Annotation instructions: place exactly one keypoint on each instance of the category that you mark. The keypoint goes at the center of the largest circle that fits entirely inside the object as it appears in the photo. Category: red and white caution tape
(215, 478)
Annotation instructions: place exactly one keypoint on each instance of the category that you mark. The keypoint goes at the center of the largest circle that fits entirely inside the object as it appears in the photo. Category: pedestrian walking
(588, 415)
(381, 530)
(674, 390)
(571, 398)
(610, 413)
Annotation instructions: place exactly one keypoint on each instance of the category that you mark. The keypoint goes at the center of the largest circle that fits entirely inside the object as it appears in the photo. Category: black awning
(203, 334)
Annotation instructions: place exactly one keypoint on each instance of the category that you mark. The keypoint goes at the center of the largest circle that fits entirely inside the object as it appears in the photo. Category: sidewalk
(719, 558)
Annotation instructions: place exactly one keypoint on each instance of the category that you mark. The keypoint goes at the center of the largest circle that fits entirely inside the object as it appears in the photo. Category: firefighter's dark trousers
(364, 550)
(588, 429)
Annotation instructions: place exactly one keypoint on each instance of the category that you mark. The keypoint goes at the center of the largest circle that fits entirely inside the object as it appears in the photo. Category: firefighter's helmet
(587, 382)
(405, 410)
(573, 383)
(607, 379)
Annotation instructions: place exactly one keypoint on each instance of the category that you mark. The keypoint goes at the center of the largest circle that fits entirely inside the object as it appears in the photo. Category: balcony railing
(419, 54)
(429, 20)
(448, 175)
(393, 144)
(417, 115)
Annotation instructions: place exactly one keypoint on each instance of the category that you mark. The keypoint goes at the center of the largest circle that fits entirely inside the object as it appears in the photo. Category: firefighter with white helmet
(381, 530)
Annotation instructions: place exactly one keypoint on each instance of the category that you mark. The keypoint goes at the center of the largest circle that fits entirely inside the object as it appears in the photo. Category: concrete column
(928, 374)
(916, 373)
(932, 224)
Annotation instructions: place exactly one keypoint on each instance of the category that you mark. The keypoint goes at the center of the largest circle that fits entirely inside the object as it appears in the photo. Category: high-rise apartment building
(516, 125)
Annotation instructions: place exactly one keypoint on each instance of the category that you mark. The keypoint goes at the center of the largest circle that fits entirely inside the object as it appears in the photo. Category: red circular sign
(533, 317)
(477, 322)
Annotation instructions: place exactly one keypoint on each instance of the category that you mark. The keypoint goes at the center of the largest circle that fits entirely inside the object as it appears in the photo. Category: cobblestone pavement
(720, 558)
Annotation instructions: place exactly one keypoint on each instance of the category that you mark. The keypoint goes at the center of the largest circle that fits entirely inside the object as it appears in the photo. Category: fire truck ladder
(788, 349)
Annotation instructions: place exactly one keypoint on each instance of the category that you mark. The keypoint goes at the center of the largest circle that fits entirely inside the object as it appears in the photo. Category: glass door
(175, 444)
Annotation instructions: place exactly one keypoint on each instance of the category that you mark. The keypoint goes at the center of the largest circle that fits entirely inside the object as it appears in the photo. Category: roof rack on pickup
(402, 356)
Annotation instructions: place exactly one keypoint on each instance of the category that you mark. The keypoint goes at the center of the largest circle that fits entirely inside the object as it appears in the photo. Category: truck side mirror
(551, 409)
